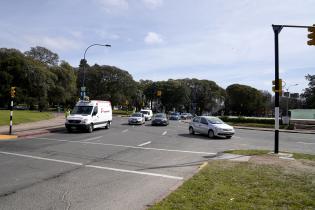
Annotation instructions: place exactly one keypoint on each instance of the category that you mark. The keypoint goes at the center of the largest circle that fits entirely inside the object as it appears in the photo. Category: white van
(88, 115)
(148, 114)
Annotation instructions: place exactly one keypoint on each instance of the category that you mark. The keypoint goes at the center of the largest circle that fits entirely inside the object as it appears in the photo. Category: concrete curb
(271, 130)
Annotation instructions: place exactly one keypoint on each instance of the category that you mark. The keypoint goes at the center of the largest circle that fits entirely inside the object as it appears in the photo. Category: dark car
(175, 116)
(159, 119)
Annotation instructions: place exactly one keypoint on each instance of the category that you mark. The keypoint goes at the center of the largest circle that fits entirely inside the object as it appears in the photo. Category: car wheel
(228, 137)
(210, 134)
(191, 130)
(107, 125)
(90, 128)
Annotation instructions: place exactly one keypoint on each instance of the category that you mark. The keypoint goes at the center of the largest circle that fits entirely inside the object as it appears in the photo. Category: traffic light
(279, 85)
(311, 36)
(13, 92)
(158, 93)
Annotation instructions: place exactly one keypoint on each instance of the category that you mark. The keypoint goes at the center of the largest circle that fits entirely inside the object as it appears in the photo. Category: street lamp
(287, 89)
(83, 89)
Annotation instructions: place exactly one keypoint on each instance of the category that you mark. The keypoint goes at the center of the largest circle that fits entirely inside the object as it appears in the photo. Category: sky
(226, 41)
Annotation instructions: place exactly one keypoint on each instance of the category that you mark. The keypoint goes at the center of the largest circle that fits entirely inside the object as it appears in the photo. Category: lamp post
(83, 88)
(287, 89)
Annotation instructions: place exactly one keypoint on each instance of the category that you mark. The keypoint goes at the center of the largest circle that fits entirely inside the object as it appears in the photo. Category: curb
(38, 131)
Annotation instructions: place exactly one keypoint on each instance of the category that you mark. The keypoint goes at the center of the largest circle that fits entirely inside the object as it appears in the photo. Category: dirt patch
(291, 166)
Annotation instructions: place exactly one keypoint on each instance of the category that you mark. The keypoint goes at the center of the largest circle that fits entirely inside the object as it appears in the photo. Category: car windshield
(214, 120)
(82, 110)
(175, 114)
(144, 112)
(159, 116)
(136, 115)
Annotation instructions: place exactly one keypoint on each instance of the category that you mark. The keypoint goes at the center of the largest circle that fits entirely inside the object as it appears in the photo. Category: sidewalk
(35, 128)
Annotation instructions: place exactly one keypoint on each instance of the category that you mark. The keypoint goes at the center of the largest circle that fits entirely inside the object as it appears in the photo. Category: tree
(43, 55)
(109, 83)
(244, 100)
(309, 93)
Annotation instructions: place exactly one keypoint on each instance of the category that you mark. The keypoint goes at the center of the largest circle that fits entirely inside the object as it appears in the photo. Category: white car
(211, 126)
(148, 114)
(136, 118)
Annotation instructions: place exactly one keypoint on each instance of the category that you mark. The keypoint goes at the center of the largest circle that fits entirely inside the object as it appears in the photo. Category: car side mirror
(94, 113)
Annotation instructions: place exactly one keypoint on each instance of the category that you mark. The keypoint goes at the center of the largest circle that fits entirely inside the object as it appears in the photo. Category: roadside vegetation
(265, 182)
(43, 81)
(20, 116)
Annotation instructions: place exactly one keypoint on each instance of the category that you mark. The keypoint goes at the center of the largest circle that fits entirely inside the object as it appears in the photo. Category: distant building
(303, 114)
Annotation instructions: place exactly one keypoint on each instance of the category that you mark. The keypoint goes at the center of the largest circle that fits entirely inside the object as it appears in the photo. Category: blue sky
(227, 41)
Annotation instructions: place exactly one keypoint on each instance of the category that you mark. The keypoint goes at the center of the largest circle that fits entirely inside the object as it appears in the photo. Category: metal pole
(276, 30)
(11, 116)
(83, 91)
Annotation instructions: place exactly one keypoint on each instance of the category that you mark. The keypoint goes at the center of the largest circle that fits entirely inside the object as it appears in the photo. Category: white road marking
(134, 147)
(124, 131)
(90, 139)
(140, 145)
(41, 158)
(94, 166)
(164, 133)
(300, 142)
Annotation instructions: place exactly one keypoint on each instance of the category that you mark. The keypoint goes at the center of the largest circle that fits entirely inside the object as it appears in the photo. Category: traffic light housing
(279, 85)
(13, 92)
(311, 36)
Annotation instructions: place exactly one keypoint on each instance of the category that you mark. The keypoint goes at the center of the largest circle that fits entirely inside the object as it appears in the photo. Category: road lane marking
(93, 166)
(41, 158)
(90, 139)
(134, 147)
(164, 133)
(136, 172)
(301, 142)
(124, 131)
(148, 142)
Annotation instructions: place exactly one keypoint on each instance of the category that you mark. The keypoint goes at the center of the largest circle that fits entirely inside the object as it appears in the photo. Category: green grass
(304, 156)
(122, 112)
(234, 185)
(20, 116)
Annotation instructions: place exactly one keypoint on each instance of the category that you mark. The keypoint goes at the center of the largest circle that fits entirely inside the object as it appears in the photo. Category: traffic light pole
(11, 116)
(277, 29)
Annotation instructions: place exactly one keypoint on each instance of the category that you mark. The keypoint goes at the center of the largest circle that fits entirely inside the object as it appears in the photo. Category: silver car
(211, 126)
(136, 118)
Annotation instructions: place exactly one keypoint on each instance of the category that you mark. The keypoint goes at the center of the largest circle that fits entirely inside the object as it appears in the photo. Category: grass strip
(23, 116)
(233, 185)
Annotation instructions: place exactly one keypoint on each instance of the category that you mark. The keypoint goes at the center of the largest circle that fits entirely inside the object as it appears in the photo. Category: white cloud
(153, 38)
(111, 6)
(152, 4)
(53, 43)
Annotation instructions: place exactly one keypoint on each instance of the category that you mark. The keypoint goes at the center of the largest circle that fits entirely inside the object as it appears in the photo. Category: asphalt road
(124, 167)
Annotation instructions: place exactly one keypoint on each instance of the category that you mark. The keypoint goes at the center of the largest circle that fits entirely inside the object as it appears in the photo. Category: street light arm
(103, 45)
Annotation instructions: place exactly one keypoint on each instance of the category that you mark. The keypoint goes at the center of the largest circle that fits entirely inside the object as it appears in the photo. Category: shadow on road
(200, 136)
